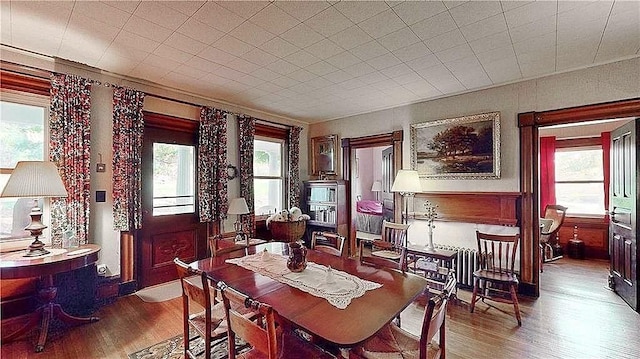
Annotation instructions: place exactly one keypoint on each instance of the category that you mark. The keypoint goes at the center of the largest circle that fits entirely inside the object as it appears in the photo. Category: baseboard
(528, 289)
(127, 288)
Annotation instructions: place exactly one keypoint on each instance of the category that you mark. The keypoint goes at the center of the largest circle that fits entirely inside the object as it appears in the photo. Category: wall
(101, 220)
(604, 83)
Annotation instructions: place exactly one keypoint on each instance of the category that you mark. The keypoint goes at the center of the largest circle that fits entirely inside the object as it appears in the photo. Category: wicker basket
(287, 231)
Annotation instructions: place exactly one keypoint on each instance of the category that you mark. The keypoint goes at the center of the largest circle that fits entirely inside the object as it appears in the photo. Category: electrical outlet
(102, 270)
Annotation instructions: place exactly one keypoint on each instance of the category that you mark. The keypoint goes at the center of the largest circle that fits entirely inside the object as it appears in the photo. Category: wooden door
(623, 227)
(388, 175)
(170, 224)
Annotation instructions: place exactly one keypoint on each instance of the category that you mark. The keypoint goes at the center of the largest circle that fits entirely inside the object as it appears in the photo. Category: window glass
(580, 180)
(268, 176)
(173, 179)
(22, 135)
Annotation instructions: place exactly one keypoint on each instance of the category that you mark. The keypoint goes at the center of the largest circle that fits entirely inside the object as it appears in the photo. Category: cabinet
(325, 202)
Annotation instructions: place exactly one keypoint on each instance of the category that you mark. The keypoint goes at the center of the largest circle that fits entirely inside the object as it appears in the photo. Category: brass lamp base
(36, 249)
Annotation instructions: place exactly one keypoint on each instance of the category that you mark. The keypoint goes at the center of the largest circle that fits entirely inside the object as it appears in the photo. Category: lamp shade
(407, 181)
(377, 186)
(34, 179)
(238, 206)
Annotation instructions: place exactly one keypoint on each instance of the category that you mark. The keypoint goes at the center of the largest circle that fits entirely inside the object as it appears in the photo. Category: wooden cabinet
(326, 203)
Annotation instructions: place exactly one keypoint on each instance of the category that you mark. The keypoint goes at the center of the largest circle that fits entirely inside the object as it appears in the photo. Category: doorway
(529, 124)
(389, 148)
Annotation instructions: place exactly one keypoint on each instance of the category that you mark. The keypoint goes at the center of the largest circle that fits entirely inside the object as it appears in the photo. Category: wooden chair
(328, 242)
(396, 235)
(210, 323)
(393, 342)
(553, 218)
(496, 255)
(266, 338)
(396, 259)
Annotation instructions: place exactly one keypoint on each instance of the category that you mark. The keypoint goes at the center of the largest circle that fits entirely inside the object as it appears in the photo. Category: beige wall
(101, 215)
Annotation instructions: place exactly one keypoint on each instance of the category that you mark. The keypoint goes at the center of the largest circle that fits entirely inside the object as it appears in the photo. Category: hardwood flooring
(575, 317)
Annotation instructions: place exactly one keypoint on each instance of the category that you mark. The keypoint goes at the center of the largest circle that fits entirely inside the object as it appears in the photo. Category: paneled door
(623, 227)
(170, 225)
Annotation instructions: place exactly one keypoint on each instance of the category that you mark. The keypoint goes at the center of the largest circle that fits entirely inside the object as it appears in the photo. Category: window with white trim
(268, 174)
(24, 137)
(580, 179)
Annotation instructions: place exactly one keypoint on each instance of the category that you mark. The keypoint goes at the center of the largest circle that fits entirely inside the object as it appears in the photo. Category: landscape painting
(457, 148)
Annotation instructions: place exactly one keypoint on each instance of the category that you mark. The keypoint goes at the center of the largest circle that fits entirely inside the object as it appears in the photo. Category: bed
(369, 216)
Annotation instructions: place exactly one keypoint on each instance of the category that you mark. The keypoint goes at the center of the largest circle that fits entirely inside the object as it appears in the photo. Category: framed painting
(457, 148)
(324, 159)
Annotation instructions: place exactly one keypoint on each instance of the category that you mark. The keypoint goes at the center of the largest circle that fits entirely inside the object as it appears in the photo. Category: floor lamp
(35, 179)
(407, 183)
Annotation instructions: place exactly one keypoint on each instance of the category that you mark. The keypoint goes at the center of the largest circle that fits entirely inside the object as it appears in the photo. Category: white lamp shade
(238, 206)
(377, 186)
(35, 179)
(407, 181)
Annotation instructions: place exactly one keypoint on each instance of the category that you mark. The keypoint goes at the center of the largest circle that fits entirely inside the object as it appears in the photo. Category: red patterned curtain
(128, 129)
(69, 148)
(294, 166)
(213, 200)
(547, 172)
(605, 137)
(246, 135)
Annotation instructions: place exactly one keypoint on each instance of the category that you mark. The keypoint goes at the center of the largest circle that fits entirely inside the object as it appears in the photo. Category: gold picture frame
(324, 158)
(465, 147)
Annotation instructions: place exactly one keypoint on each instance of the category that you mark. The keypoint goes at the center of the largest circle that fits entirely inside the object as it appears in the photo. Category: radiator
(466, 262)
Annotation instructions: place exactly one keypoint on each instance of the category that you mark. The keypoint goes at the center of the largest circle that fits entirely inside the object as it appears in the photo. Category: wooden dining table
(362, 318)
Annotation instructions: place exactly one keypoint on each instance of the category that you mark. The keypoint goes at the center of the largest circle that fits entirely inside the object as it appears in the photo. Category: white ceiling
(320, 60)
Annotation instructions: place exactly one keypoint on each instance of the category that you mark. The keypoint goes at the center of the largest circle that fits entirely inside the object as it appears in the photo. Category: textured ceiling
(320, 60)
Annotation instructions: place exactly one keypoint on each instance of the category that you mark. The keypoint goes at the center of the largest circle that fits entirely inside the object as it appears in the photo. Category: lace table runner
(337, 287)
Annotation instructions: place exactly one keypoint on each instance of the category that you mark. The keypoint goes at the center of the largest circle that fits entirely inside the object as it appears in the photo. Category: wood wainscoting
(499, 208)
(594, 232)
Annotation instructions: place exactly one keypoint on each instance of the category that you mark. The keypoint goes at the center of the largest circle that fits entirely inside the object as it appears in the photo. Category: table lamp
(238, 206)
(35, 179)
(407, 183)
(377, 187)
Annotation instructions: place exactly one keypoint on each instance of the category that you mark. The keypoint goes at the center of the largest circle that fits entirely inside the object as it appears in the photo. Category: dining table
(359, 320)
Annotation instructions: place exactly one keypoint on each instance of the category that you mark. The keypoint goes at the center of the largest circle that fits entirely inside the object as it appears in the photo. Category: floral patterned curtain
(213, 201)
(246, 135)
(69, 148)
(128, 128)
(294, 166)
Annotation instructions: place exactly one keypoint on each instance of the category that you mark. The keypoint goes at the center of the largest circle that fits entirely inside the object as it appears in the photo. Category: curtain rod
(45, 74)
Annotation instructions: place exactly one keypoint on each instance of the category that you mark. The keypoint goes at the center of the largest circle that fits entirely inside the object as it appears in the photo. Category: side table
(444, 258)
(13, 265)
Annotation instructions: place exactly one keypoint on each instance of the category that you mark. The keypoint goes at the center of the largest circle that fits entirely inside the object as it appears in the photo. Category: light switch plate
(101, 167)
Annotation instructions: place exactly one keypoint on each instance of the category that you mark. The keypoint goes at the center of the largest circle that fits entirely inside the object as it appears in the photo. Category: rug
(173, 349)
(160, 292)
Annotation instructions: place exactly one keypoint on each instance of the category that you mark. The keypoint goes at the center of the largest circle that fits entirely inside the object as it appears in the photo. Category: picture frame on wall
(465, 147)
(324, 150)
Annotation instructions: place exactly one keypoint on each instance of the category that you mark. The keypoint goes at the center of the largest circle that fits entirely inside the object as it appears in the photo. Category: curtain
(547, 172)
(246, 135)
(128, 129)
(605, 137)
(213, 200)
(69, 148)
(294, 166)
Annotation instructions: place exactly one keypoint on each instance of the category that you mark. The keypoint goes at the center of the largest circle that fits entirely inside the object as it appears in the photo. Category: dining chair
(267, 339)
(551, 222)
(496, 257)
(328, 242)
(396, 235)
(383, 254)
(209, 323)
(394, 342)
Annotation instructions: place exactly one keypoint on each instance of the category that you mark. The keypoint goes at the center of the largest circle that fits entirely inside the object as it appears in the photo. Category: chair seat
(496, 276)
(387, 254)
(218, 322)
(393, 342)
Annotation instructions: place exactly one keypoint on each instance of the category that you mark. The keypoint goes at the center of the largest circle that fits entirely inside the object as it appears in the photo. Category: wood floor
(575, 317)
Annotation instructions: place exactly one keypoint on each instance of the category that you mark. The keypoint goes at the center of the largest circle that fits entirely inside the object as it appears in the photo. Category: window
(23, 132)
(173, 179)
(580, 179)
(268, 171)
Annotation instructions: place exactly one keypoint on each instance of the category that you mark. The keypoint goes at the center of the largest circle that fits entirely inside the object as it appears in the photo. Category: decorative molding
(24, 83)
(499, 208)
(617, 109)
